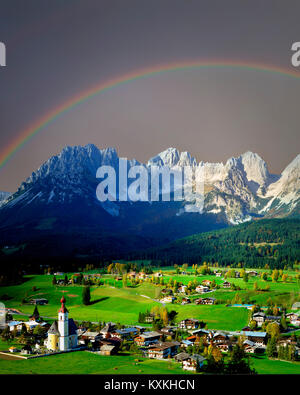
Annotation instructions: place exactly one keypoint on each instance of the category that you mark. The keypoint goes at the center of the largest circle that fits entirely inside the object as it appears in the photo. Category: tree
(246, 277)
(239, 362)
(124, 280)
(86, 295)
(271, 349)
(273, 330)
(275, 275)
(283, 323)
(253, 325)
(6, 335)
(39, 331)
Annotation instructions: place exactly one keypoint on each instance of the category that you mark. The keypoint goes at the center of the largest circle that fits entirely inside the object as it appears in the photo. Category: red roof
(63, 308)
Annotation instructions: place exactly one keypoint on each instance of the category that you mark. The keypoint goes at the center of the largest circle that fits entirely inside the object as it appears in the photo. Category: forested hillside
(275, 242)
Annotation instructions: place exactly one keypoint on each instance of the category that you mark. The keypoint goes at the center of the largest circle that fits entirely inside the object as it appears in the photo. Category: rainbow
(40, 124)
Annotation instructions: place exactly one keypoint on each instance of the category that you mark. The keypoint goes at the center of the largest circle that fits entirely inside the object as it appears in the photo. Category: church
(62, 335)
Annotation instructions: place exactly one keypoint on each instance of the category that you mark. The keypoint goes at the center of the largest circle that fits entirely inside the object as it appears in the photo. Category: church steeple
(63, 308)
(63, 326)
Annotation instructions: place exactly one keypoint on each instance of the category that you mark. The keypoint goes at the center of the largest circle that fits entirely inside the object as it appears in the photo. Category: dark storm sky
(58, 48)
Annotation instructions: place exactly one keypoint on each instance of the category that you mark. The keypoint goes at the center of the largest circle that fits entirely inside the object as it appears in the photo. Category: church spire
(63, 308)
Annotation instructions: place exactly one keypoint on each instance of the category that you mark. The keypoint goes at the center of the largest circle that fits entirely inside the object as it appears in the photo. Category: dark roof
(72, 327)
(53, 330)
(198, 358)
(182, 356)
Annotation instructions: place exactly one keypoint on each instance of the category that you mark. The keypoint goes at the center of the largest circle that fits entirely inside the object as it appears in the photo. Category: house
(259, 318)
(201, 289)
(292, 316)
(142, 275)
(40, 301)
(205, 301)
(89, 336)
(226, 284)
(62, 334)
(27, 349)
(147, 338)
(189, 323)
(182, 289)
(249, 347)
(150, 318)
(163, 350)
(258, 338)
(108, 349)
(112, 341)
(31, 324)
(191, 339)
(193, 363)
(286, 342)
(168, 299)
(252, 273)
(296, 306)
(273, 318)
(15, 325)
(169, 330)
(224, 347)
(182, 356)
(186, 343)
(158, 274)
(126, 333)
(218, 274)
(186, 301)
(207, 282)
(220, 337)
(200, 333)
(109, 327)
(13, 349)
(295, 321)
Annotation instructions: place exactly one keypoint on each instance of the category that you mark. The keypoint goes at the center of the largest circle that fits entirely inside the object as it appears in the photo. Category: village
(159, 334)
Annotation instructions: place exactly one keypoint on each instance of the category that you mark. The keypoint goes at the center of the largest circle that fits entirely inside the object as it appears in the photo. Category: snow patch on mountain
(236, 189)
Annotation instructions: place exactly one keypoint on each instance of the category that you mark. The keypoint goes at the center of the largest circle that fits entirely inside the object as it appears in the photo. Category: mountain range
(56, 212)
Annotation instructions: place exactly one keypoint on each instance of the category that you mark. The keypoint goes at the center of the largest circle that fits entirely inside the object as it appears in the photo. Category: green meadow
(84, 362)
(113, 302)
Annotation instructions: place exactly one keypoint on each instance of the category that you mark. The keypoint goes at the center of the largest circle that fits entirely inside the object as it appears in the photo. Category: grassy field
(112, 302)
(263, 365)
(84, 362)
(283, 293)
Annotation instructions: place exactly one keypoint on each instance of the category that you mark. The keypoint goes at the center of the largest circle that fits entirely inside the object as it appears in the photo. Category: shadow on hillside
(26, 279)
(98, 300)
